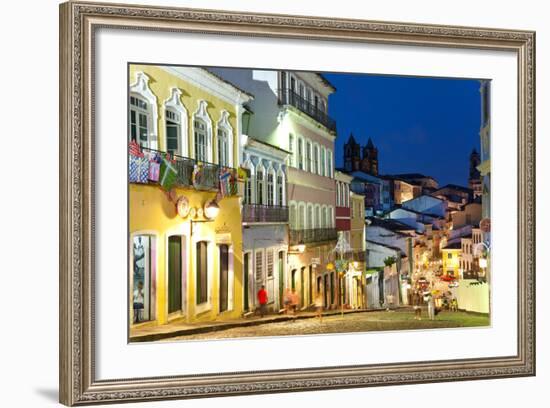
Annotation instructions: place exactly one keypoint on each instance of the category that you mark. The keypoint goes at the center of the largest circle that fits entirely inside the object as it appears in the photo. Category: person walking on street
(319, 306)
(287, 300)
(262, 300)
(431, 307)
(417, 305)
(295, 301)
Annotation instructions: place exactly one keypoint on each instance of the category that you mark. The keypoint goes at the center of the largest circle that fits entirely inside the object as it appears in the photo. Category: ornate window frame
(174, 103)
(141, 89)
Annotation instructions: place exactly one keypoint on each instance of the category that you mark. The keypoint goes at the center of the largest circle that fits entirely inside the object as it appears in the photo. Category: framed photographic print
(256, 203)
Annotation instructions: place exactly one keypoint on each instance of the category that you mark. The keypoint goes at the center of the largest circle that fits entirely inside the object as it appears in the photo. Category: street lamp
(211, 209)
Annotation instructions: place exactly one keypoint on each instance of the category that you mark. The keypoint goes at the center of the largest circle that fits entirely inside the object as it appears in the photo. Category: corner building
(190, 267)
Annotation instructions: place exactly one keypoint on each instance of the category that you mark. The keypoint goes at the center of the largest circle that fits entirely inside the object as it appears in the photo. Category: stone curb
(231, 325)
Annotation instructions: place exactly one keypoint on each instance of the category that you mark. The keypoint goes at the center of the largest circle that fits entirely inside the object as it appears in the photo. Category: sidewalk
(146, 333)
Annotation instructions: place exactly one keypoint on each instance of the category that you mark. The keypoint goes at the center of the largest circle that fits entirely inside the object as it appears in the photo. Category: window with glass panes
(317, 217)
(260, 186)
(223, 148)
(323, 164)
(248, 187)
(280, 190)
(269, 262)
(139, 121)
(308, 156)
(315, 159)
(259, 268)
(301, 154)
(309, 217)
(270, 189)
(201, 140)
(291, 161)
(172, 132)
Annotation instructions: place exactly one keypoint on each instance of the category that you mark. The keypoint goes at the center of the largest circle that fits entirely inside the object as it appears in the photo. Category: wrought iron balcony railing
(197, 174)
(307, 236)
(290, 97)
(264, 213)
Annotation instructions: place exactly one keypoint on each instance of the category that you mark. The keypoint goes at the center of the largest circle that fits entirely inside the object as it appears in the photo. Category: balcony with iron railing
(290, 97)
(196, 174)
(253, 213)
(314, 235)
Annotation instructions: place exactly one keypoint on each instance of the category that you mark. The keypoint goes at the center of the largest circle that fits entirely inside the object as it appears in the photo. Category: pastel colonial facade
(265, 223)
(356, 278)
(290, 111)
(187, 263)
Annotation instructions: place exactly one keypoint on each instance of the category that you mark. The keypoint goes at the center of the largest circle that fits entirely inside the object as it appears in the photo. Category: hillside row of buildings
(233, 187)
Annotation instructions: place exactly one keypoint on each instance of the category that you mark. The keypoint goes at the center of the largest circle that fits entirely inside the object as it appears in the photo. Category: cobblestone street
(356, 322)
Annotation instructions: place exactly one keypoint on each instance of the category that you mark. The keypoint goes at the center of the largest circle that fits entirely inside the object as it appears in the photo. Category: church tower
(352, 154)
(369, 163)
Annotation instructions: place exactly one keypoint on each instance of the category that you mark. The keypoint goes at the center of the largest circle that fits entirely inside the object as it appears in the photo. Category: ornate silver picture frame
(78, 381)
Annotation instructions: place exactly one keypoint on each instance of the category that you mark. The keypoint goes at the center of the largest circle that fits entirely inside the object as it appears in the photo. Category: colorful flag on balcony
(228, 183)
(134, 149)
(139, 169)
(196, 175)
(154, 167)
(168, 173)
(224, 182)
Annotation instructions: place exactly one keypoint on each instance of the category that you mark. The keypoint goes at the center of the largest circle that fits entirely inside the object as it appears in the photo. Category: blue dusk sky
(419, 125)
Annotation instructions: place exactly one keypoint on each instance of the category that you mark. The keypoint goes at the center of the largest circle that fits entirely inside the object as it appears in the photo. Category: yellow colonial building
(450, 258)
(185, 232)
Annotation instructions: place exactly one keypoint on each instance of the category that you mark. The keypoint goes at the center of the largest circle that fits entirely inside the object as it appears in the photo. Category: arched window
(301, 216)
(201, 140)
(292, 216)
(175, 117)
(316, 159)
(225, 141)
(291, 149)
(260, 184)
(317, 216)
(338, 194)
(310, 216)
(330, 222)
(281, 193)
(309, 163)
(248, 182)
(143, 113)
(271, 187)
(323, 161)
(202, 125)
(329, 164)
(301, 153)
(324, 217)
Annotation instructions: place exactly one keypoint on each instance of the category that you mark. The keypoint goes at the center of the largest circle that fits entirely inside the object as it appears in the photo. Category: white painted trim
(141, 89)
(250, 287)
(209, 238)
(174, 103)
(153, 301)
(264, 273)
(224, 124)
(280, 172)
(310, 223)
(208, 82)
(260, 167)
(184, 233)
(202, 114)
